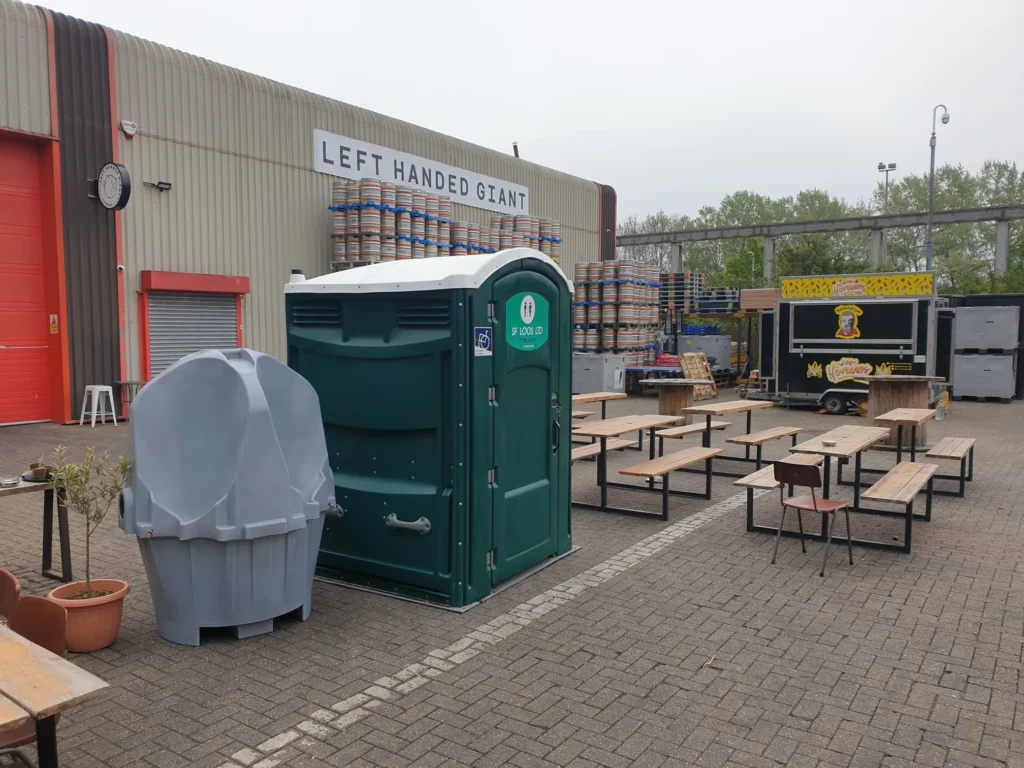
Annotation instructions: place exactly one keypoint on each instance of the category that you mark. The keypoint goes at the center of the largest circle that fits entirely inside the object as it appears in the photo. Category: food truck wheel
(835, 404)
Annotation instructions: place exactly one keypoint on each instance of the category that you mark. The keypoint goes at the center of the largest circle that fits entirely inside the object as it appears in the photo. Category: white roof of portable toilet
(437, 273)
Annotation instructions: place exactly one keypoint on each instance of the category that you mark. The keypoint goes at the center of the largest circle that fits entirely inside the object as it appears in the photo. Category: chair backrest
(10, 591)
(806, 475)
(44, 622)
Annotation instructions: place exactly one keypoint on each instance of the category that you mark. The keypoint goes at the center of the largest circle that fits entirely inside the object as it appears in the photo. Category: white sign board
(353, 159)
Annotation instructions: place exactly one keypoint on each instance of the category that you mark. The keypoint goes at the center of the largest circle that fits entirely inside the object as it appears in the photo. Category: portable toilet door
(531, 386)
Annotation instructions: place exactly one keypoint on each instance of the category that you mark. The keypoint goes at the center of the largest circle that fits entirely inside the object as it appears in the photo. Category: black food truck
(828, 332)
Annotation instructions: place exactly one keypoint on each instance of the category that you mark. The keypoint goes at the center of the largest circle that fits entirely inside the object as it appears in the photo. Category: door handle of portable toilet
(421, 526)
(558, 435)
(334, 511)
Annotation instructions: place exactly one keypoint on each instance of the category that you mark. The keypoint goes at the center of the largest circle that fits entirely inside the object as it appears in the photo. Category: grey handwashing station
(228, 494)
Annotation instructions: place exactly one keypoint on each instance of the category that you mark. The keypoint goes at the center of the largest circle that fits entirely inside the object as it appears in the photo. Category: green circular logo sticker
(526, 321)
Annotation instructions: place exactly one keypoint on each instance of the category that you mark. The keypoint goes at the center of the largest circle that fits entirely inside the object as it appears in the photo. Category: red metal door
(24, 324)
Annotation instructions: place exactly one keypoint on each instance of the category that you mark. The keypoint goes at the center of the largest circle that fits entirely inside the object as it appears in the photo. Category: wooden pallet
(695, 366)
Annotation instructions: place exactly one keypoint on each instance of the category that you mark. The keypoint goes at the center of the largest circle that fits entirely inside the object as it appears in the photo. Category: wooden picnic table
(729, 406)
(725, 408)
(915, 418)
(620, 425)
(850, 439)
(42, 685)
(886, 393)
(673, 394)
(598, 397)
(46, 489)
(851, 442)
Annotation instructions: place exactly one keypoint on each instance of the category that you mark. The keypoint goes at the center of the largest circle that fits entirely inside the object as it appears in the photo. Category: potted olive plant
(94, 606)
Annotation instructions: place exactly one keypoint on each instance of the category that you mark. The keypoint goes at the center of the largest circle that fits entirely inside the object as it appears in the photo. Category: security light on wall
(160, 186)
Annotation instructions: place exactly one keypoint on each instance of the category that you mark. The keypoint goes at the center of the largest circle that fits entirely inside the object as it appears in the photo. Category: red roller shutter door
(24, 323)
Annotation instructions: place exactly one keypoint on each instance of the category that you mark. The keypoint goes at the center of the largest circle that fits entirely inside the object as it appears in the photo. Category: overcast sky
(675, 104)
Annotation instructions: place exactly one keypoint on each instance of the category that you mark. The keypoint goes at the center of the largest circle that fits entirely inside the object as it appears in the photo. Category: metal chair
(10, 591)
(808, 477)
(44, 623)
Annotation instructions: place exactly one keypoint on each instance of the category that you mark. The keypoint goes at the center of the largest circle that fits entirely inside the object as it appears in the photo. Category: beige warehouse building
(97, 295)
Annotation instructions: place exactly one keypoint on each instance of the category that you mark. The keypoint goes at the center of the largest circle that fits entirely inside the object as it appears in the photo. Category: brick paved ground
(691, 651)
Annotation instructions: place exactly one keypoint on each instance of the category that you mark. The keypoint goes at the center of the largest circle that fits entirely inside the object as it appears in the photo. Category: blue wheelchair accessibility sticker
(483, 341)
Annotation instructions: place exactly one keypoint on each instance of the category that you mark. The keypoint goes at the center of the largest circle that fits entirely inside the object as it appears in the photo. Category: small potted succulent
(94, 606)
(38, 469)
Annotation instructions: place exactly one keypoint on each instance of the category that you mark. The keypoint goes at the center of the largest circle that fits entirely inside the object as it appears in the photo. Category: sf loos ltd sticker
(526, 321)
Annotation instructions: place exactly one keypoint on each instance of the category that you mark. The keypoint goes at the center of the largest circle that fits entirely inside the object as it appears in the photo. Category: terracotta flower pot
(93, 623)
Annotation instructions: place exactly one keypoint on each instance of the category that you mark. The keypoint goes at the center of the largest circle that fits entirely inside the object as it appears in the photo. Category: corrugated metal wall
(24, 74)
(90, 256)
(238, 150)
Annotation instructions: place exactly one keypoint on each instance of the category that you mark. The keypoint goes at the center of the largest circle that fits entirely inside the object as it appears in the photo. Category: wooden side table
(62, 526)
(673, 394)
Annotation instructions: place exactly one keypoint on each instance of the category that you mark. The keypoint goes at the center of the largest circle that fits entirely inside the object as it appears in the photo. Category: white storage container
(987, 328)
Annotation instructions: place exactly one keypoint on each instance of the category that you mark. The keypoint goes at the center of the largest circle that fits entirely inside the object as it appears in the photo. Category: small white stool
(96, 392)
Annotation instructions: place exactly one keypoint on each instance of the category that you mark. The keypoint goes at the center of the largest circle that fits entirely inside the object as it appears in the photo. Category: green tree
(727, 262)
(964, 253)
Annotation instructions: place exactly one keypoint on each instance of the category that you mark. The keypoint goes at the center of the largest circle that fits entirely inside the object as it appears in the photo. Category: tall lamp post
(929, 244)
(753, 260)
(886, 169)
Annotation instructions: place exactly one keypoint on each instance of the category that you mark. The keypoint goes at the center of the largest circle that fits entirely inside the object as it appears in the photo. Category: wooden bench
(956, 449)
(758, 439)
(764, 479)
(582, 414)
(675, 433)
(900, 485)
(594, 449)
(663, 466)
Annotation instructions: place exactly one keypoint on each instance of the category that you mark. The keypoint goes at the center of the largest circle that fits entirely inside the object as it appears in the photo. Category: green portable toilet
(445, 390)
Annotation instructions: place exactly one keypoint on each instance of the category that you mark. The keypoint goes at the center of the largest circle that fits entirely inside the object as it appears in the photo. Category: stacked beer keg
(374, 220)
(615, 310)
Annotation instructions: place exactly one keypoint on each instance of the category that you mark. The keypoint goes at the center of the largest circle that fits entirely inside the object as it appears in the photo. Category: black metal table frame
(65, 538)
(665, 491)
(758, 461)
(966, 466)
(907, 515)
(46, 741)
(131, 389)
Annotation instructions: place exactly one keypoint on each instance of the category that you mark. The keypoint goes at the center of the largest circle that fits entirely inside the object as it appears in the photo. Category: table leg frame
(868, 543)
(856, 506)
(907, 515)
(962, 478)
(64, 536)
(666, 492)
(46, 742)
(758, 461)
(705, 494)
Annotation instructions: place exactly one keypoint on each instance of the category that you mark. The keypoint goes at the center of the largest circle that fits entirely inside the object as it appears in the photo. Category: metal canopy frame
(890, 221)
